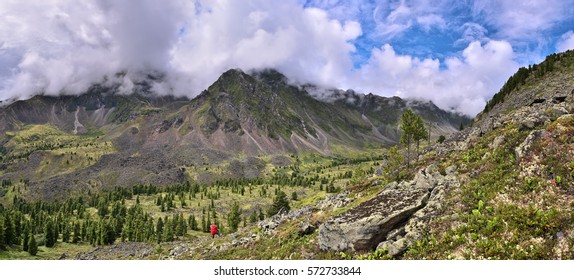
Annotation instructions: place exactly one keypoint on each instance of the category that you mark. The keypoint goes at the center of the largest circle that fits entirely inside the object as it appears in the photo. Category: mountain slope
(501, 189)
(240, 126)
(515, 167)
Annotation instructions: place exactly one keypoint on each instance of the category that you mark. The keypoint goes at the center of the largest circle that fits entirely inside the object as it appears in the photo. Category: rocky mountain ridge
(499, 189)
(103, 138)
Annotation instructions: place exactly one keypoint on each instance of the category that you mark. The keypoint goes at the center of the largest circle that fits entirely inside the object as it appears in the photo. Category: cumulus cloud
(464, 85)
(566, 42)
(305, 44)
(62, 47)
(54, 47)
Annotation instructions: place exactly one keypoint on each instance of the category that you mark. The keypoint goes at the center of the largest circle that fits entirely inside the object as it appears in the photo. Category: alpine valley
(289, 172)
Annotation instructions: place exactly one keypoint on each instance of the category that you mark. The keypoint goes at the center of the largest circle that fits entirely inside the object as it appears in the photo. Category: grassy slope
(62, 152)
(306, 166)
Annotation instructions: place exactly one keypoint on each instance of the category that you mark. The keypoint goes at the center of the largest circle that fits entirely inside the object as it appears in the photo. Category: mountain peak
(269, 76)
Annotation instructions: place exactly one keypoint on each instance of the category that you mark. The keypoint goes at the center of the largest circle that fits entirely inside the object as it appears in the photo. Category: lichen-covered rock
(365, 226)
(178, 251)
(394, 219)
(525, 146)
(557, 111)
(497, 142)
(331, 201)
(394, 248)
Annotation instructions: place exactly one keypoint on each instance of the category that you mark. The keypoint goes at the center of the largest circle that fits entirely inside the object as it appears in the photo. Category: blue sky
(456, 54)
(441, 29)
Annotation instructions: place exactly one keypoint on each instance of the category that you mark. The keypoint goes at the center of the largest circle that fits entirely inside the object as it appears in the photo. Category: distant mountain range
(241, 123)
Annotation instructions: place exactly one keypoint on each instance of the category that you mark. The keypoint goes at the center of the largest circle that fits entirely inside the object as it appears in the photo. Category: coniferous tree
(83, 231)
(234, 217)
(279, 202)
(77, 235)
(393, 167)
(17, 223)
(25, 238)
(32, 245)
(168, 231)
(102, 234)
(66, 233)
(253, 217)
(192, 222)
(50, 234)
(9, 233)
(261, 215)
(180, 227)
(102, 207)
(2, 233)
(408, 120)
(159, 229)
(420, 132)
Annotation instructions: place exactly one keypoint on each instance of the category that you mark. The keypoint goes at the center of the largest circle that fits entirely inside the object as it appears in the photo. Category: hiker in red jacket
(214, 230)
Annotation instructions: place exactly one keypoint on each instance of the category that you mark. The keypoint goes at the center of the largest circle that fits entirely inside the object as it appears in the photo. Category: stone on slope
(333, 201)
(365, 226)
(525, 146)
(393, 219)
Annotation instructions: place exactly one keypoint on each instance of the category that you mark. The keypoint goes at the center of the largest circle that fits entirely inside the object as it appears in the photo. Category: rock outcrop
(525, 146)
(306, 227)
(527, 117)
(124, 250)
(393, 219)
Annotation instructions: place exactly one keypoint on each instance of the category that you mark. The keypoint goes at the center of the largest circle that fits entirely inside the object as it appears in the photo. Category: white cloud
(519, 20)
(63, 47)
(59, 46)
(471, 32)
(394, 18)
(566, 42)
(431, 21)
(464, 85)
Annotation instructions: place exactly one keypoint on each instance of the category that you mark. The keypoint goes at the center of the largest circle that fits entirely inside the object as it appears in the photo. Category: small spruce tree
(279, 202)
(32, 245)
(234, 217)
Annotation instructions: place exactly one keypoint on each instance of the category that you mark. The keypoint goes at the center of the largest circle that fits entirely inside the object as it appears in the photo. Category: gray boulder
(497, 142)
(394, 218)
(525, 146)
(365, 226)
(394, 248)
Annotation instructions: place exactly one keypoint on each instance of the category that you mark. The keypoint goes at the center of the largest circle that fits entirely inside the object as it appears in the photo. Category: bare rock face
(393, 219)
